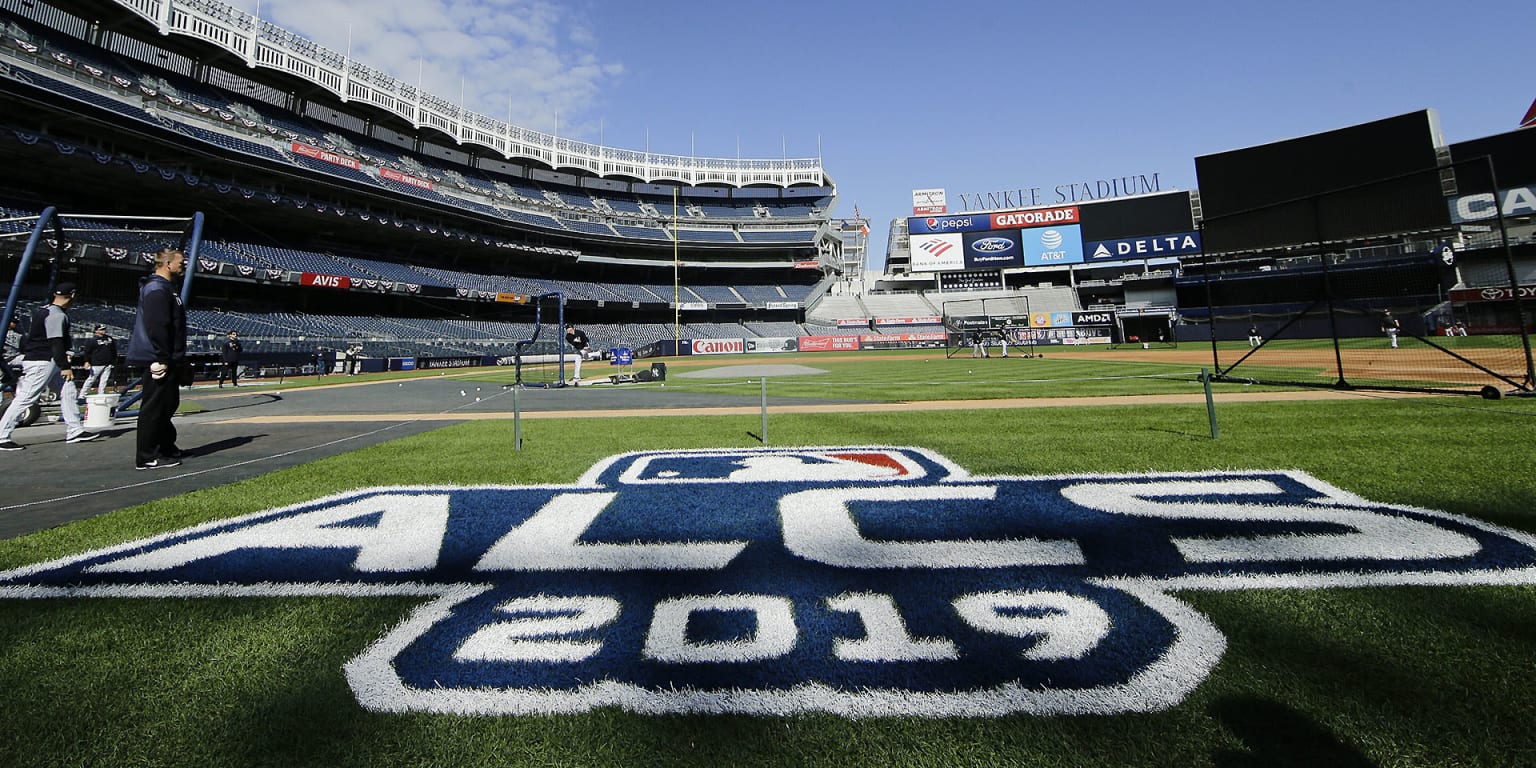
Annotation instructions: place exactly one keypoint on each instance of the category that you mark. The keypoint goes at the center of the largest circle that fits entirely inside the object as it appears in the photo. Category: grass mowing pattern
(1400, 676)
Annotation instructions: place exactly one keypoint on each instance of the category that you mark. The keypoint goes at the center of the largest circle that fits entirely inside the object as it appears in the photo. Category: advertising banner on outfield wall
(928, 320)
(1494, 293)
(718, 346)
(902, 340)
(773, 344)
(968, 322)
(829, 343)
(1073, 336)
(1050, 320)
(447, 362)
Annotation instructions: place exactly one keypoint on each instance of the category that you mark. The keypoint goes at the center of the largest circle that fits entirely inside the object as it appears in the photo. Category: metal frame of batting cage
(960, 329)
(1334, 305)
(188, 240)
(538, 328)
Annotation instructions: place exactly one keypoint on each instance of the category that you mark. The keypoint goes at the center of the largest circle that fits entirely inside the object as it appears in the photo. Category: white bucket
(98, 411)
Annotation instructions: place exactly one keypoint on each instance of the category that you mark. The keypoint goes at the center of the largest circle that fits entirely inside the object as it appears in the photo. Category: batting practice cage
(1408, 282)
(543, 358)
(997, 324)
(1022, 327)
(52, 247)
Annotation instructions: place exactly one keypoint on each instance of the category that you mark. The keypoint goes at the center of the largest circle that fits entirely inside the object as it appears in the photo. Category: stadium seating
(525, 214)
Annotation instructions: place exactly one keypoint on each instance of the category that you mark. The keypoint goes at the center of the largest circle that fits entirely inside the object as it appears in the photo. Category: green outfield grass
(1403, 676)
(924, 375)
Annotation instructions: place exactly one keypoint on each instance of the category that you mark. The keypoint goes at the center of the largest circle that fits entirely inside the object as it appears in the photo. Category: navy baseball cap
(64, 289)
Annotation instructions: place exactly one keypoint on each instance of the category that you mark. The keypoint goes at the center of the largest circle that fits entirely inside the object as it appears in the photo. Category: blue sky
(974, 97)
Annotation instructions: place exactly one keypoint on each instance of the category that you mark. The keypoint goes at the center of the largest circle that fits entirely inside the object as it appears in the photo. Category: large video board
(1029, 238)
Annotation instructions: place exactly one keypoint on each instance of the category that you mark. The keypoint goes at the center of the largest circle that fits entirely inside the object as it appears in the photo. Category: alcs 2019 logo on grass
(858, 581)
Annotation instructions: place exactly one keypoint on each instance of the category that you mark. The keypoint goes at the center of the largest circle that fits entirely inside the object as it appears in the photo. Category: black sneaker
(12, 446)
(83, 437)
(160, 463)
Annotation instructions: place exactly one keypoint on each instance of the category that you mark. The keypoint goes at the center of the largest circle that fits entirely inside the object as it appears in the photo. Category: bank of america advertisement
(932, 253)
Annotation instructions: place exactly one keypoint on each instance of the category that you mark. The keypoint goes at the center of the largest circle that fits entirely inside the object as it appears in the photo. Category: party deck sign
(861, 581)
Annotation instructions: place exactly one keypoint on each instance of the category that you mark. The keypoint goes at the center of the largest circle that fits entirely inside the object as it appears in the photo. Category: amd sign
(1093, 318)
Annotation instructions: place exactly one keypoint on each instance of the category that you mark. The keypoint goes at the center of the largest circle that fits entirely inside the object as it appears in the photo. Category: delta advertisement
(1177, 244)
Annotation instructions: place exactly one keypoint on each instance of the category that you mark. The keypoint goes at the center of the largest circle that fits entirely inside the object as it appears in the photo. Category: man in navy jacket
(159, 345)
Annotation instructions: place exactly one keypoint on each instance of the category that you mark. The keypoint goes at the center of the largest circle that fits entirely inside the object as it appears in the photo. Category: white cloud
(530, 59)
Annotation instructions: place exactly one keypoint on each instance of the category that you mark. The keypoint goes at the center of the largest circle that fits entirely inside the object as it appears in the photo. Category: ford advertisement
(997, 248)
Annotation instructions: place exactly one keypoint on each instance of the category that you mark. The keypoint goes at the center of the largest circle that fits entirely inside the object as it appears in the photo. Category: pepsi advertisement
(940, 225)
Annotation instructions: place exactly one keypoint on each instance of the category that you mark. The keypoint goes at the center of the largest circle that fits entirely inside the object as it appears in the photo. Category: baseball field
(921, 561)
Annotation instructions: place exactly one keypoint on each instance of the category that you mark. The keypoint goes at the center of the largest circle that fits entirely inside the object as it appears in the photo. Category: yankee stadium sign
(861, 581)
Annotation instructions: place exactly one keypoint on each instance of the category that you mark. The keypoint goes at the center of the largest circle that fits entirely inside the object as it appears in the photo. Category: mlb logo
(860, 581)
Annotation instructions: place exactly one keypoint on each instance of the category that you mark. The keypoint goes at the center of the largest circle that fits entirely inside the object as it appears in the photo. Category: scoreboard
(1142, 227)
(1032, 238)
